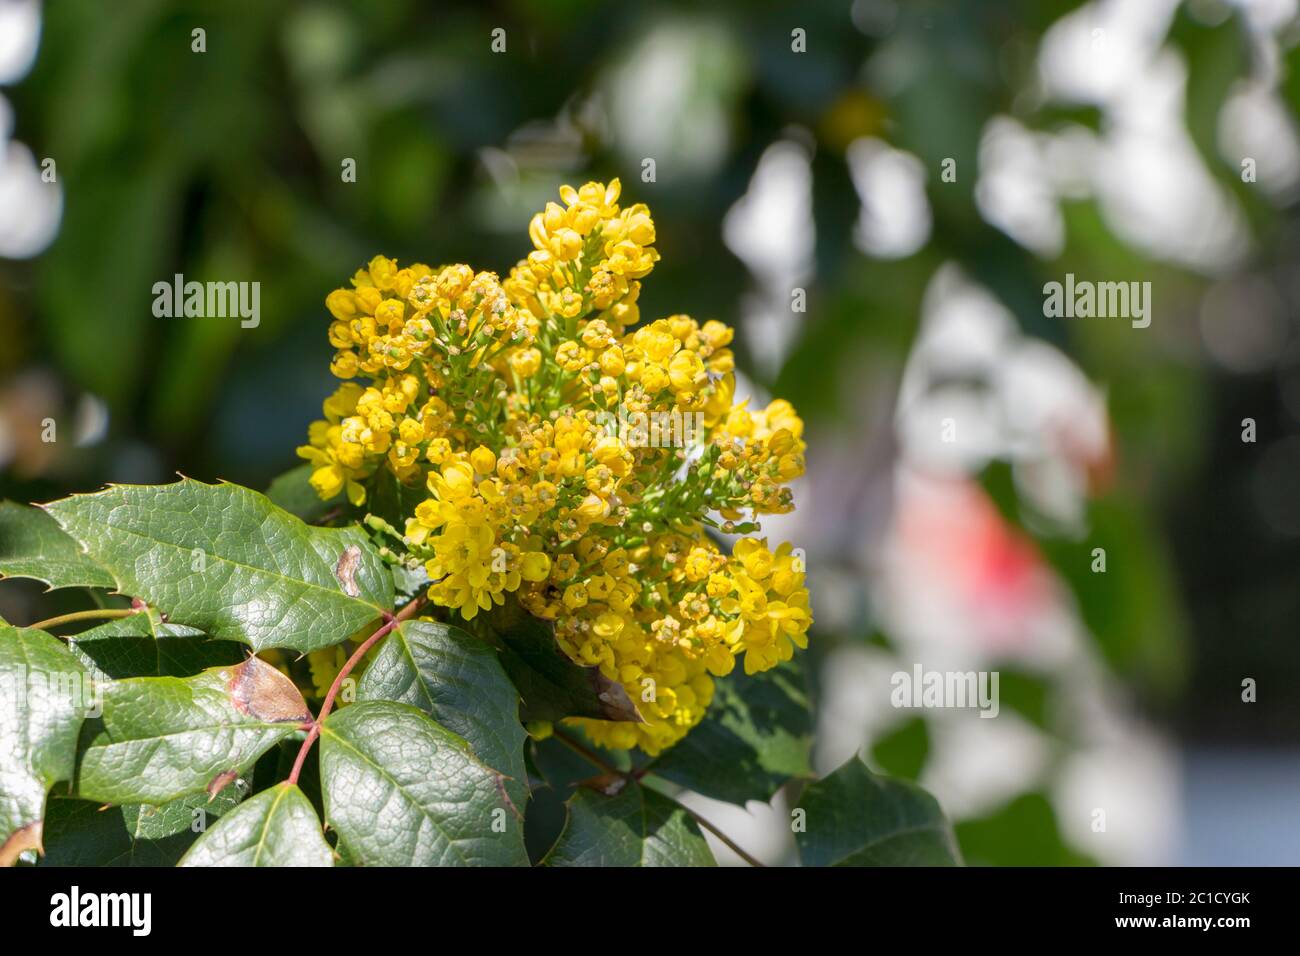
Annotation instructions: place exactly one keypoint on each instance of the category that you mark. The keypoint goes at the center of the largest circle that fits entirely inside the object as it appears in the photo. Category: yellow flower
(549, 425)
(593, 508)
(455, 483)
(686, 372)
(536, 566)
(575, 596)
(526, 362)
(483, 460)
(569, 356)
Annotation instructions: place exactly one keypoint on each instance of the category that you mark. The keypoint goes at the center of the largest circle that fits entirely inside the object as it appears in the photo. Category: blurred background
(910, 173)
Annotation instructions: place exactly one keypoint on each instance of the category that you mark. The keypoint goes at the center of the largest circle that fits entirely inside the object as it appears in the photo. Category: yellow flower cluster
(574, 458)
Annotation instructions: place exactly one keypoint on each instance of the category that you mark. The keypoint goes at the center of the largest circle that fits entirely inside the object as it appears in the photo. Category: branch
(390, 622)
(588, 755)
(94, 614)
(635, 776)
(726, 840)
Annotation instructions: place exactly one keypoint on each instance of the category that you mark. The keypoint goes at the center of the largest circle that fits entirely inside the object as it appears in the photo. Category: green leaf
(855, 818)
(143, 646)
(278, 827)
(403, 791)
(634, 827)
(556, 762)
(756, 736)
(42, 704)
(457, 680)
(32, 545)
(293, 492)
(227, 561)
(408, 582)
(392, 500)
(902, 751)
(544, 819)
(161, 738)
(84, 833)
(550, 685)
(1023, 832)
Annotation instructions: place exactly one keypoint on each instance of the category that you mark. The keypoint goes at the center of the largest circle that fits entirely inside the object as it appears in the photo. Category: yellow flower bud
(566, 566)
(535, 566)
(612, 362)
(575, 596)
(344, 365)
(569, 356)
(717, 334)
(594, 508)
(686, 372)
(654, 379)
(526, 362)
(327, 481)
(439, 451)
(342, 304)
(382, 271)
(483, 460)
(719, 585)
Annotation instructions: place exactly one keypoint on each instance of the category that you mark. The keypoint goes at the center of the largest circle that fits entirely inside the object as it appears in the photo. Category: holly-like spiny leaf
(85, 833)
(550, 685)
(143, 645)
(856, 818)
(161, 738)
(227, 561)
(44, 694)
(278, 827)
(634, 826)
(756, 735)
(457, 680)
(403, 791)
(293, 492)
(32, 545)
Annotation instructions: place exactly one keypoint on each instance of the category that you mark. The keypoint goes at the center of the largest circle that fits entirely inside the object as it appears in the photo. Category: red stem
(390, 621)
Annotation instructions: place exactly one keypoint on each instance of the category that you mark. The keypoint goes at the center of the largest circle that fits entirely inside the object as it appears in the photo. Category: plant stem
(587, 754)
(94, 614)
(329, 515)
(726, 840)
(390, 621)
(634, 776)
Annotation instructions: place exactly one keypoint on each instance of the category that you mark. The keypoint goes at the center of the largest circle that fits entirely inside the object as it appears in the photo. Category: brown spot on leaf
(346, 570)
(258, 689)
(24, 838)
(220, 782)
(505, 796)
(614, 702)
(610, 784)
